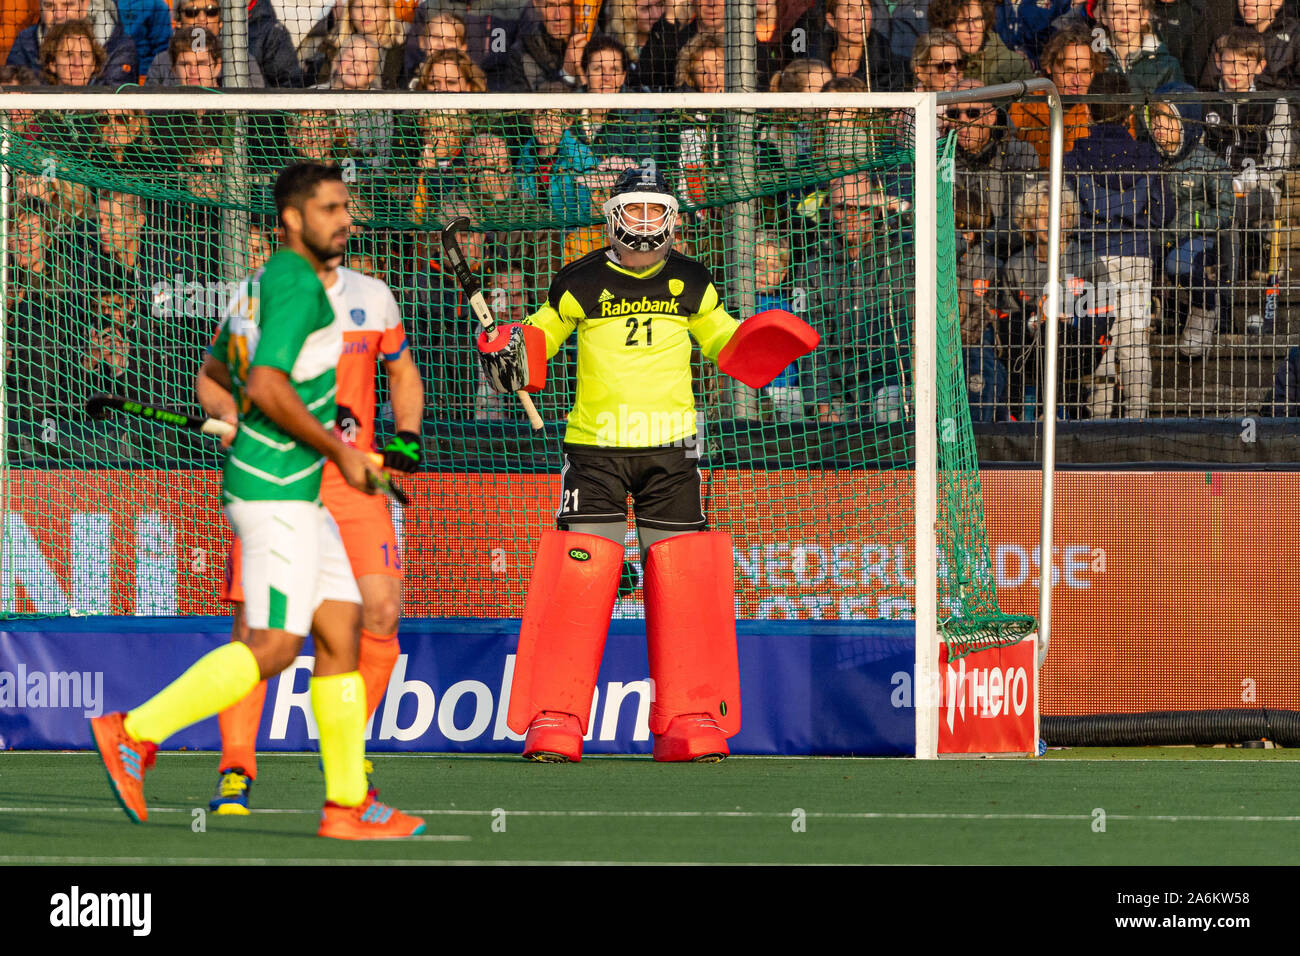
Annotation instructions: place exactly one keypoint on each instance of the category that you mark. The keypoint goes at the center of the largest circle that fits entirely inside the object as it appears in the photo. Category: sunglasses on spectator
(943, 66)
(192, 12)
(956, 112)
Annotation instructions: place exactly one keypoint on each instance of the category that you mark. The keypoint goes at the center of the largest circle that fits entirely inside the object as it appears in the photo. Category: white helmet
(635, 186)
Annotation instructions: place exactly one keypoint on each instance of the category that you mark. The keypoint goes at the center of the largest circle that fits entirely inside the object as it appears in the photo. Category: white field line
(739, 814)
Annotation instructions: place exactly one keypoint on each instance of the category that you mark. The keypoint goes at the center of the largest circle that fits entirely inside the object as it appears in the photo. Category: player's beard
(329, 252)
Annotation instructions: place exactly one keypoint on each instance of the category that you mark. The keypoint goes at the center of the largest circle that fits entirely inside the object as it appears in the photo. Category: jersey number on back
(632, 325)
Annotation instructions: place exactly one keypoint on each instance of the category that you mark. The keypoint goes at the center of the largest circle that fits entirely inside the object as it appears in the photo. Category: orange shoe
(554, 737)
(370, 820)
(126, 760)
(695, 737)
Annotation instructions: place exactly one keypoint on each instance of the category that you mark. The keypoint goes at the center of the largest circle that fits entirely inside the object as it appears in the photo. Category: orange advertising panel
(1172, 590)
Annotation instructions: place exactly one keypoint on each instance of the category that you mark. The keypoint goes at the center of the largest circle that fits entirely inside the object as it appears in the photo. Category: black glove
(402, 453)
(506, 368)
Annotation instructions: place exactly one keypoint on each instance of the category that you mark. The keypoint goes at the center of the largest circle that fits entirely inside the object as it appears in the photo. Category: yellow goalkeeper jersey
(634, 346)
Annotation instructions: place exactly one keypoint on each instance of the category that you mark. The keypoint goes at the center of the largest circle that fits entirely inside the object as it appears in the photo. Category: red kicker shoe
(554, 737)
(694, 737)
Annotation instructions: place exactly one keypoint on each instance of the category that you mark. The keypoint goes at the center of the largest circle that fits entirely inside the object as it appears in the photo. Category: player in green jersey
(280, 362)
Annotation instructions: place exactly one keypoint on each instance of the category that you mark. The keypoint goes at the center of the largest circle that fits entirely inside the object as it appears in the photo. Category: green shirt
(282, 319)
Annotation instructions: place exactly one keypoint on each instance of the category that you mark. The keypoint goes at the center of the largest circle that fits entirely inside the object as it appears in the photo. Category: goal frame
(925, 171)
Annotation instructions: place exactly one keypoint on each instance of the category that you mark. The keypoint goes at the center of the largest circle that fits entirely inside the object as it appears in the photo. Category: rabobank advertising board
(1171, 590)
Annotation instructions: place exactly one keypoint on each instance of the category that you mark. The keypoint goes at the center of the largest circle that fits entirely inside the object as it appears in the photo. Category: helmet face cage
(640, 236)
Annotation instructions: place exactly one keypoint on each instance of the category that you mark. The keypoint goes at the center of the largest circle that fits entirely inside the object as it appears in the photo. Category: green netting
(129, 230)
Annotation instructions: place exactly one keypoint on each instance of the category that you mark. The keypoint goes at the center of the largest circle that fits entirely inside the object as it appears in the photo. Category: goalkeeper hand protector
(515, 359)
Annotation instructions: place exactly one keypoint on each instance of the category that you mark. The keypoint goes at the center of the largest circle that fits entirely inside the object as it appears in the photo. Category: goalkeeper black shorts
(664, 484)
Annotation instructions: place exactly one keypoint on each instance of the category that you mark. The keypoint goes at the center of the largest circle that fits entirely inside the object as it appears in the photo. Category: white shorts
(293, 560)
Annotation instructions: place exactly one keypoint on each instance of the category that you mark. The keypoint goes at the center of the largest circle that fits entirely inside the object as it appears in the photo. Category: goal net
(129, 220)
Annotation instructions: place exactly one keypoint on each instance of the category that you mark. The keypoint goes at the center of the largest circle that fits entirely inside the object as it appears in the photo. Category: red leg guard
(566, 619)
(691, 636)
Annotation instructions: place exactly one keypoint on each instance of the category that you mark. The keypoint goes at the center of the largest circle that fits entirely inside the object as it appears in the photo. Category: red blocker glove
(764, 345)
(515, 359)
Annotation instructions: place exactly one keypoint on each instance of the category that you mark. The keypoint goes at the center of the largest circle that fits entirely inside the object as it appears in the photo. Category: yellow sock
(213, 682)
(339, 704)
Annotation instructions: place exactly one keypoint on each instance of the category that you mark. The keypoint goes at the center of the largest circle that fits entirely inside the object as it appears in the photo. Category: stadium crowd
(1180, 139)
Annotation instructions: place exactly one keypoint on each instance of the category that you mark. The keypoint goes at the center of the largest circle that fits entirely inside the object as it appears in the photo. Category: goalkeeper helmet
(630, 229)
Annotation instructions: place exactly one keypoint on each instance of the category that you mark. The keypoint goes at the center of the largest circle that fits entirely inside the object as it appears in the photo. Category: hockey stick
(99, 406)
(478, 305)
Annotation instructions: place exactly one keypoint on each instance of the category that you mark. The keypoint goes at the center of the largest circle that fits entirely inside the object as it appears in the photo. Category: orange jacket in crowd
(15, 17)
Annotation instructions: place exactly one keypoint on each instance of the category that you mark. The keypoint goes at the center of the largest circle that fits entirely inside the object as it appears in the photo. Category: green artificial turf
(1161, 806)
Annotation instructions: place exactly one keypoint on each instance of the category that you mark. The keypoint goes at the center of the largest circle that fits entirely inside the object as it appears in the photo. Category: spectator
(503, 285)
(1185, 28)
(682, 20)
(772, 45)
(992, 161)
(374, 20)
(1120, 204)
(903, 22)
(35, 336)
(695, 146)
(120, 65)
(772, 257)
(1087, 311)
(201, 173)
(22, 122)
(441, 31)
(977, 283)
(149, 25)
(936, 62)
(195, 55)
(552, 51)
(1286, 388)
(354, 66)
(860, 308)
(121, 224)
(119, 353)
(786, 138)
(986, 58)
(1071, 63)
(442, 133)
(600, 141)
(270, 51)
(1256, 139)
(1199, 185)
(1025, 26)
(310, 135)
(538, 153)
(70, 55)
(125, 145)
(15, 17)
(490, 188)
(631, 22)
(1132, 49)
(1280, 32)
(851, 137)
(850, 45)
(188, 249)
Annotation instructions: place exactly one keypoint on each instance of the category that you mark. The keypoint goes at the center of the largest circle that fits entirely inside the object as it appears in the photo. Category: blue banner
(807, 687)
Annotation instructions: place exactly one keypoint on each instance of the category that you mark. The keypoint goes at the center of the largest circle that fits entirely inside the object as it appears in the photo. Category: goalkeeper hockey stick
(478, 305)
(99, 406)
